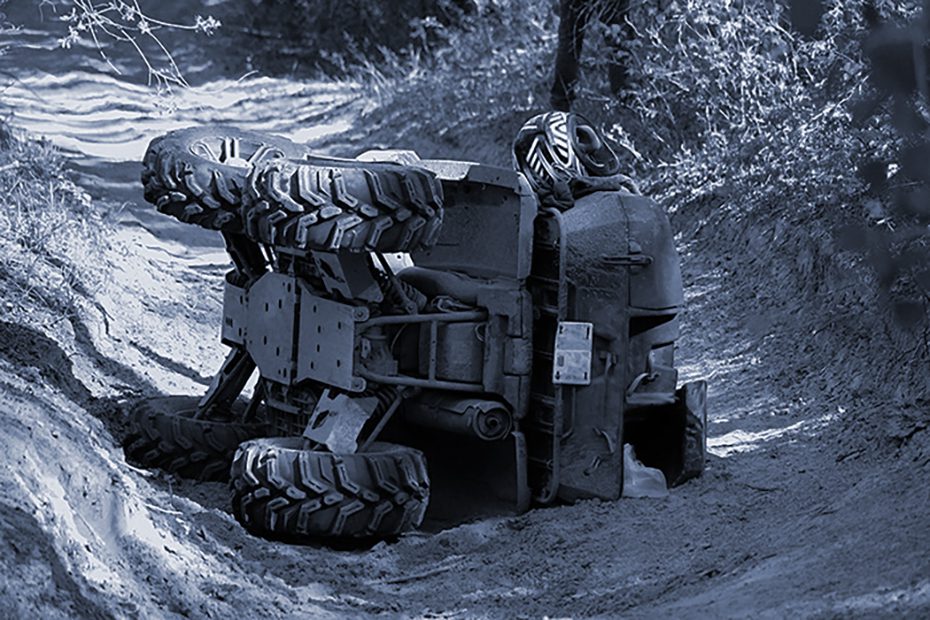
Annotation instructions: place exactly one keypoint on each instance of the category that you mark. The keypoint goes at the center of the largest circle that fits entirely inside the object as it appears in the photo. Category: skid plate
(326, 341)
(269, 336)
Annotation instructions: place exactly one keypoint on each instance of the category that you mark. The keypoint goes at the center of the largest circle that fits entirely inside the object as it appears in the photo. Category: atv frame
(518, 353)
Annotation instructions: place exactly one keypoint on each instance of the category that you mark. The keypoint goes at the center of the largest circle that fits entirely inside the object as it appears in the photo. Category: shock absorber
(386, 395)
(389, 399)
(398, 294)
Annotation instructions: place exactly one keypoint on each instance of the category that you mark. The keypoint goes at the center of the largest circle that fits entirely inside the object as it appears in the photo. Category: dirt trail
(787, 521)
(776, 525)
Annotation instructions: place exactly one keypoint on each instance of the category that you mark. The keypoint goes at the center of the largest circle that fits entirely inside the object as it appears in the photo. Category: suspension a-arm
(250, 264)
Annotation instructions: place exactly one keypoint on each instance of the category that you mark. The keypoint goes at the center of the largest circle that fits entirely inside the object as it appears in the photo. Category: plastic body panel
(591, 458)
(620, 272)
(657, 285)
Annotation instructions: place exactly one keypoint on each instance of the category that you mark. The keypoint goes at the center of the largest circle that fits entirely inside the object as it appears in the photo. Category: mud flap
(672, 438)
(470, 478)
(691, 400)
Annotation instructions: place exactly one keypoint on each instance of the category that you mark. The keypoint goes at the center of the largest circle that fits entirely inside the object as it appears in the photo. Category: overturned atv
(512, 360)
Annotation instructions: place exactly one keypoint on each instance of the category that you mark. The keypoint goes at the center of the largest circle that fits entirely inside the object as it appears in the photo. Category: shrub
(728, 98)
(308, 36)
(468, 93)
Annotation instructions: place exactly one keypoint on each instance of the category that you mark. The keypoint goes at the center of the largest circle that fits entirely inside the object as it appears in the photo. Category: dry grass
(52, 239)
(469, 91)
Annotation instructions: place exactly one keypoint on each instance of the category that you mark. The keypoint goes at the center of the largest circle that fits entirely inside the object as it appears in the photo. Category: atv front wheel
(281, 490)
(693, 397)
(165, 434)
(197, 174)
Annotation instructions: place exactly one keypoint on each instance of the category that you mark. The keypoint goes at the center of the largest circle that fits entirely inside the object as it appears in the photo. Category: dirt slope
(788, 521)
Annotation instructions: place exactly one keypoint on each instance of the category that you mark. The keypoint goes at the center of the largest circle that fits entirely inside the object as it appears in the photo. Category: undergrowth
(323, 37)
(469, 90)
(752, 135)
(52, 239)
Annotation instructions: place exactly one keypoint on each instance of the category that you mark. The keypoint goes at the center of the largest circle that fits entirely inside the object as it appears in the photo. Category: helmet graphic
(556, 148)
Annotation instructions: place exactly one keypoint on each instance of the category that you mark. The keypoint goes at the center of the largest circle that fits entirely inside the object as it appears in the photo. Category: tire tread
(162, 435)
(309, 495)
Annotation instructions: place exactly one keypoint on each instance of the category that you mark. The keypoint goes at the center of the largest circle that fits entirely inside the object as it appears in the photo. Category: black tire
(693, 449)
(283, 491)
(164, 434)
(693, 401)
(672, 438)
(195, 175)
(341, 205)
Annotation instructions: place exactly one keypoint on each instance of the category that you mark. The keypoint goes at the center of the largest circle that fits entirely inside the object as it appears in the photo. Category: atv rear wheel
(281, 490)
(197, 174)
(343, 205)
(164, 434)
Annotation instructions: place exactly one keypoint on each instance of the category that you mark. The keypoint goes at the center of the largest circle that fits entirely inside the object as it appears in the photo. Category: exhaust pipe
(488, 420)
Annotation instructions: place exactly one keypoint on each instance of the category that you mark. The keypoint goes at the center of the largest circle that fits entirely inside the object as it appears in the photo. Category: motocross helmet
(556, 149)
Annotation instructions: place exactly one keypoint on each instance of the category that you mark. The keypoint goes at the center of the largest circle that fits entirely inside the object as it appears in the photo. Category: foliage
(301, 37)
(727, 88)
(469, 89)
(734, 106)
(125, 22)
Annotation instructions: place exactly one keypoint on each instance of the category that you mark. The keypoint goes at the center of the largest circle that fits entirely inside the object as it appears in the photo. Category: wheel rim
(232, 151)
